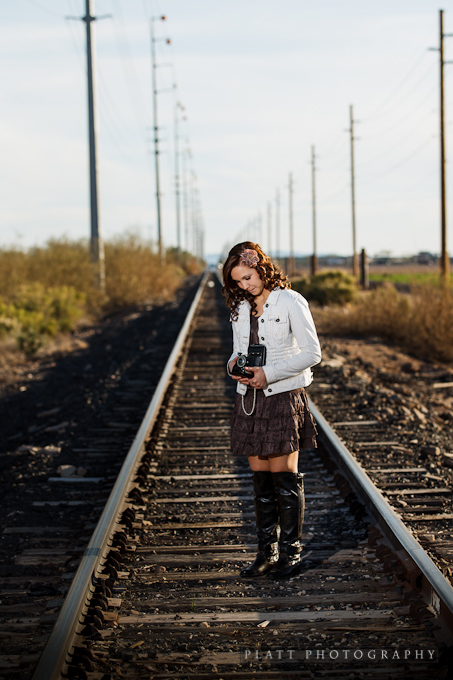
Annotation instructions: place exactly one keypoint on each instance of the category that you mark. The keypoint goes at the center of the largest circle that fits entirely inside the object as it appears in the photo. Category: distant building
(382, 261)
(426, 258)
(332, 261)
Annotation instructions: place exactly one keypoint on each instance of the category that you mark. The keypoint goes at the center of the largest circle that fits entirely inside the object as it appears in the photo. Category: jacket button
(277, 320)
(262, 338)
(270, 389)
(267, 304)
(262, 320)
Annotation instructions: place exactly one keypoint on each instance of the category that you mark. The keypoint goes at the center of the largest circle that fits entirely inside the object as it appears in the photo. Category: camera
(256, 356)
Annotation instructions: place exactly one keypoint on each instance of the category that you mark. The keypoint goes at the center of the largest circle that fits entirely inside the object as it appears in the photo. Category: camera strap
(254, 402)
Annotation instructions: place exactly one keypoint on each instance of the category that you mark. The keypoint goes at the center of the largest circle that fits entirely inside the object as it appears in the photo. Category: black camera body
(256, 356)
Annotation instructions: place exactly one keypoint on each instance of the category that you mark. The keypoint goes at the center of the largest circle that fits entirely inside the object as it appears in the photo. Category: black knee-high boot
(289, 490)
(266, 525)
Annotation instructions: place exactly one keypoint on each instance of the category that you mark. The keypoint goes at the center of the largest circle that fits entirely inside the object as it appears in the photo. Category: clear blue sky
(261, 83)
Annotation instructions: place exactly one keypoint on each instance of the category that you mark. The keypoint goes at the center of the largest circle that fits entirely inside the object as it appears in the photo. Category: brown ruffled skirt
(280, 424)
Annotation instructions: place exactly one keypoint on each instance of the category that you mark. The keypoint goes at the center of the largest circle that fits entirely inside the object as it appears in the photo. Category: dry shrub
(13, 271)
(135, 274)
(57, 264)
(62, 263)
(188, 262)
(46, 290)
(36, 314)
(329, 287)
(420, 322)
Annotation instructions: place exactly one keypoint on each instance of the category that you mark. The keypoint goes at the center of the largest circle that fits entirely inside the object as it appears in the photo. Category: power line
(109, 125)
(116, 118)
(403, 119)
(77, 45)
(337, 192)
(400, 141)
(44, 9)
(332, 149)
(109, 113)
(389, 99)
(397, 89)
(127, 63)
(339, 164)
(372, 176)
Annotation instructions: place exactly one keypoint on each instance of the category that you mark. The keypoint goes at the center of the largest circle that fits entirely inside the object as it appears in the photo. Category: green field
(408, 278)
(398, 274)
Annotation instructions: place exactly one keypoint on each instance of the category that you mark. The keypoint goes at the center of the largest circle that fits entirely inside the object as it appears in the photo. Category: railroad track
(384, 421)
(81, 409)
(157, 592)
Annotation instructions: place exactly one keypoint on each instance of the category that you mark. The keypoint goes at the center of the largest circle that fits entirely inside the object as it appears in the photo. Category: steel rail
(436, 587)
(53, 661)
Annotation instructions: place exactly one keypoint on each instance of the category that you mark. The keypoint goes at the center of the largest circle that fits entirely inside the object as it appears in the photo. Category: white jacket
(286, 328)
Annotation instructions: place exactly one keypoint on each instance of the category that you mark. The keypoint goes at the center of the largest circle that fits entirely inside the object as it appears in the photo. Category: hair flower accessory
(249, 257)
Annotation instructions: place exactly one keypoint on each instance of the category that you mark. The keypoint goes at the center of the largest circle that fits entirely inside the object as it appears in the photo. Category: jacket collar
(271, 300)
(273, 296)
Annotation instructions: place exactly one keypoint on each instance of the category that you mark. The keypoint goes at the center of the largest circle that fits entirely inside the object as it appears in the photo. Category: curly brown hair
(268, 271)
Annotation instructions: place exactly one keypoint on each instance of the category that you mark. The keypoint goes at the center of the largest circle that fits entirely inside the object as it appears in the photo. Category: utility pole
(364, 270)
(292, 266)
(269, 227)
(178, 106)
(201, 229)
(156, 139)
(259, 227)
(277, 225)
(355, 260)
(193, 212)
(314, 260)
(185, 193)
(196, 235)
(96, 243)
(444, 259)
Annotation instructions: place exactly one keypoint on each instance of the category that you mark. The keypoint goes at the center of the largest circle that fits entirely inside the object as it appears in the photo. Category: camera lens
(242, 360)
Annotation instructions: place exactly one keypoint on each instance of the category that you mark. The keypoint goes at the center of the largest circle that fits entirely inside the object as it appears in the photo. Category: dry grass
(334, 287)
(420, 322)
(59, 263)
(49, 289)
(134, 273)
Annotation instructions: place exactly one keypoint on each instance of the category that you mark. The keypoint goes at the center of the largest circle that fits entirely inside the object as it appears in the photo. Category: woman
(271, 420)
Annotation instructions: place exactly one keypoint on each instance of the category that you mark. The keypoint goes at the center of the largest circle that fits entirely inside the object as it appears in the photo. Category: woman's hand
(239, 378)
(259, 379)
(231, 364)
